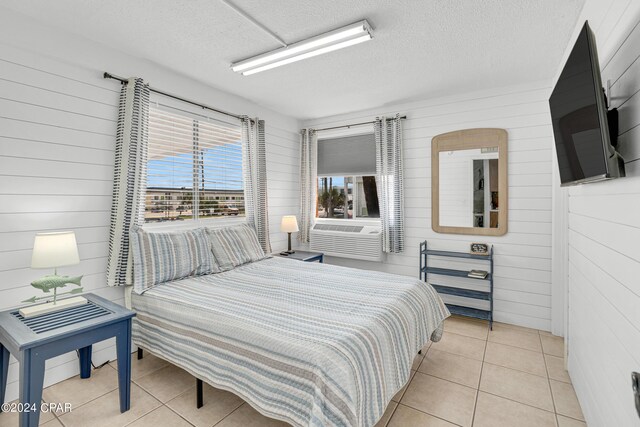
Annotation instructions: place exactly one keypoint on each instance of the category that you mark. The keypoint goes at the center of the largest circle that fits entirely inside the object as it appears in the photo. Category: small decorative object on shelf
(458, 295)
(478, 274)
(53, 250)
(479, 248)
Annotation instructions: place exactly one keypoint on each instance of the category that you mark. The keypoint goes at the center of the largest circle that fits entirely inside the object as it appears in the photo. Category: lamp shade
(289, 224)
(51, 250)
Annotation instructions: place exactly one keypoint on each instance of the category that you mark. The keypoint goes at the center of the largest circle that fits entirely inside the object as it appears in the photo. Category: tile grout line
(93, 370)
(407, 387)
(503, 397)
(229, 414)
(446, 379)
(515, 346)
(497, 342)
(518, 370)
(485, 392)
(475, 404)
(483, 361)
(478, 393)
(147, 413)
(424, 412)
(85, 403)
(457, 354)
(392, 413)
(509, 326)
(442, 379)
(169, 408)
(553, 400)
(55, 416)
(517, 401)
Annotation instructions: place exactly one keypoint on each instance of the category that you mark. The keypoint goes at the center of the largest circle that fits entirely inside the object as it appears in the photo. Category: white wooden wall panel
(57, 137)
(603, 235)
(523, 255)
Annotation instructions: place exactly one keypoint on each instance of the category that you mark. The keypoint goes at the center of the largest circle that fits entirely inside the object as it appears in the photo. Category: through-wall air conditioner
(347, 241)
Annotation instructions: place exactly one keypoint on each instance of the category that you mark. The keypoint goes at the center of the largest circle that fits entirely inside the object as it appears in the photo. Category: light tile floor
(507, 377)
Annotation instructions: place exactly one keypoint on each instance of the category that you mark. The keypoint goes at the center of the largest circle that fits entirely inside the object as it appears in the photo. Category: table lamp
(53, 250)
(289, 225)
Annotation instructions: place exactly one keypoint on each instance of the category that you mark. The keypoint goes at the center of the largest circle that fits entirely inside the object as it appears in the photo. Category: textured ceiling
(421, 48)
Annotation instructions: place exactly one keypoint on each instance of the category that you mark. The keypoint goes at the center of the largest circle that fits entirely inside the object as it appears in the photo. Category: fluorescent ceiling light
(327, 42)
(307, 55)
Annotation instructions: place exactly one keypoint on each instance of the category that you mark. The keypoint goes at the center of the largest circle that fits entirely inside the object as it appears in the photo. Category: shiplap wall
(57, 138)
(523, 255)
(603, 237)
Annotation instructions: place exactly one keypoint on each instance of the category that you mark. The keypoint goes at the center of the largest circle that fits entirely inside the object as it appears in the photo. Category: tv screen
(579, 115)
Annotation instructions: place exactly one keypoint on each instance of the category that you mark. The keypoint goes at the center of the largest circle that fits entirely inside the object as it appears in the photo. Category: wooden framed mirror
(469, 182)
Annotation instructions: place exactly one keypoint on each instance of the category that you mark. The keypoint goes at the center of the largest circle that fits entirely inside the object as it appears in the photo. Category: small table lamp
(53, 250)
(289, 225)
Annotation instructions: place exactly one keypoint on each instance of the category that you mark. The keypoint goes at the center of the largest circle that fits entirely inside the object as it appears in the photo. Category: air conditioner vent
(347, 241)
(342, 228)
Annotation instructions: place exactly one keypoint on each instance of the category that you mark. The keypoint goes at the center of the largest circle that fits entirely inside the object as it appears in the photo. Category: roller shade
(349, 155)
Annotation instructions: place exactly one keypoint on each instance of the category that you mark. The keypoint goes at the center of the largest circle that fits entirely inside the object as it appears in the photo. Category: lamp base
(289, 251)
(49, 307)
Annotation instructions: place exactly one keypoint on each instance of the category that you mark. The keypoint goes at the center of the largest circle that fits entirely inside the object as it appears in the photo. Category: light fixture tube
(327, 42)
(306, 55)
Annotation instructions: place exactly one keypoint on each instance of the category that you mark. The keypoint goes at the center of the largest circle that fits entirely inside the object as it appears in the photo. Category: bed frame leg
(198, 393)
(140, 354)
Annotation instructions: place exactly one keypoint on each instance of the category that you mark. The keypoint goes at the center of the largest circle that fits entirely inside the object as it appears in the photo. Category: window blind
(194, 167)
(349, 155)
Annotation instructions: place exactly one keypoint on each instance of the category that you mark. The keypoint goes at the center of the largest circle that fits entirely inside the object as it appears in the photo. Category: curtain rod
(351, 125)
(188, 101)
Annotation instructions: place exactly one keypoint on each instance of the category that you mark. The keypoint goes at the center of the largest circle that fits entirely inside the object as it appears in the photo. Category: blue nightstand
(32, 341)
(304, 256)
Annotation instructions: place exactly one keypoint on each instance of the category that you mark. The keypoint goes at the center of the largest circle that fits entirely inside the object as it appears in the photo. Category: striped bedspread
(310, 344)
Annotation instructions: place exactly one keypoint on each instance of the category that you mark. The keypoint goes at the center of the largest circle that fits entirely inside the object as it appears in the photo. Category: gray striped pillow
(162, 257)
(234, 246)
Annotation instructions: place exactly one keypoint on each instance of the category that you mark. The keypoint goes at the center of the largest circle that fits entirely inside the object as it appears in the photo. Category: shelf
(451, 272)
(461, 292)
(458, 290)
(469, 312)
(458, 254)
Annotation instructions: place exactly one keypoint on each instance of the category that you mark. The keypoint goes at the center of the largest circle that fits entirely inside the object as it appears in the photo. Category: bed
(310, 344)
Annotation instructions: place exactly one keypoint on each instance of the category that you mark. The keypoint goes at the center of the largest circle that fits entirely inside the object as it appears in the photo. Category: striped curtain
(390, 182)
(254, 162)
(129, 178)
(308, 182)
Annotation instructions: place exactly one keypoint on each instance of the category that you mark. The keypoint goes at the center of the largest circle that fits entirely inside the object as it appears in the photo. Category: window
(346, 177)
(193, 163)
(347, 197)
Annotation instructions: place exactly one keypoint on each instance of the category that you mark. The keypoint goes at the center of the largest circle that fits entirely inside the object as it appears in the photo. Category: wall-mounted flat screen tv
(579, 118)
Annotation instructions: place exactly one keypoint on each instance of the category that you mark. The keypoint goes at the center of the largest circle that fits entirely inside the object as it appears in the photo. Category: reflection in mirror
(469, 188)
(469, 195)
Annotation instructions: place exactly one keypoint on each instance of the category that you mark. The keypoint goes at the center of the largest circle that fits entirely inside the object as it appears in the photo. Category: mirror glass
(469, 189)
(469, 193)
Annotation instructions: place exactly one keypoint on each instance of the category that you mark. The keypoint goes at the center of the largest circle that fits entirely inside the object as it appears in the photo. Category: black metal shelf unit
(461, 292)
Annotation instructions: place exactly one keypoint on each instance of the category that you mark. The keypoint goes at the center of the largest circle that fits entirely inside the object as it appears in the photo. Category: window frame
(355, 218)
(176, 107)
(344, 132)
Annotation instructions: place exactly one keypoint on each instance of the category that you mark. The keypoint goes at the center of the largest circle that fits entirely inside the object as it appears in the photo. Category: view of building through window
(347, 197)
(194, 168)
